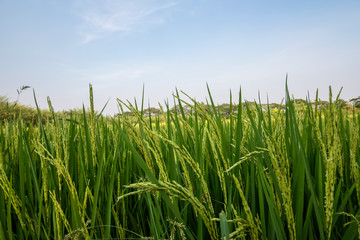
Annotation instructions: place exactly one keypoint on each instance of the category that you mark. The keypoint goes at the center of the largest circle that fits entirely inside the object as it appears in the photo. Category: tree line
(13, 110)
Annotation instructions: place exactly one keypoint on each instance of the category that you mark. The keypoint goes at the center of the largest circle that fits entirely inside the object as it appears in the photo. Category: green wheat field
(190, 172)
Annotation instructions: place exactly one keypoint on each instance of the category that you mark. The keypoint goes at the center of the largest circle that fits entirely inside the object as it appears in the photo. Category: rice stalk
(175, 190)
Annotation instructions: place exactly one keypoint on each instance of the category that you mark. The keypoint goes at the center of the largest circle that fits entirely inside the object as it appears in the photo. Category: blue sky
(58, 47)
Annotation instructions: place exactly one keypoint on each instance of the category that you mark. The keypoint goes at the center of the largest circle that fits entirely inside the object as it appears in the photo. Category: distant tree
(224, 109)
(277, 106)
(300, 101)
(355, 102)
(342, 103)
(129, 114)
(322, 103)
(12, 110)
(152, 111)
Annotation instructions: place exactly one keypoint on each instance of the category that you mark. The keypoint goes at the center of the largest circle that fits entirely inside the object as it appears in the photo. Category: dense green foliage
(356, 102)
(292, 173)
(12, 110)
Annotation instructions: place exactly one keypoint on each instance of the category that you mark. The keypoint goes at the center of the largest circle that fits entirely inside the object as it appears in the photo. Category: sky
(59, 47)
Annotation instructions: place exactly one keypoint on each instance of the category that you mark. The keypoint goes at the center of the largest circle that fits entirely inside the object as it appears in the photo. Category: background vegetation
(196, 171)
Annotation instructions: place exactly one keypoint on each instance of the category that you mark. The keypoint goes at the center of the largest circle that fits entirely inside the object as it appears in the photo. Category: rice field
(254, 174)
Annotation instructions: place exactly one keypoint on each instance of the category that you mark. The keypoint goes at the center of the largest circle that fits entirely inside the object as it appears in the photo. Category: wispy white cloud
(107, 17)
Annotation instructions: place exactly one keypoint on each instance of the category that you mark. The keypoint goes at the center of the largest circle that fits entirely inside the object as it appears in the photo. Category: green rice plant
(191, 172)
